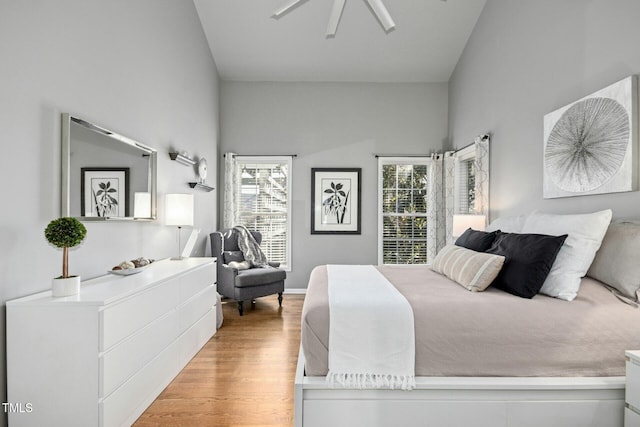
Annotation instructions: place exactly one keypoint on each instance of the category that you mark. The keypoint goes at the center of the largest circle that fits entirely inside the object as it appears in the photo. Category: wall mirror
(106, 176)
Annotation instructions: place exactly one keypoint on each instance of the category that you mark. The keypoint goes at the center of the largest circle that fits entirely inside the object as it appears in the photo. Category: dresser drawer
(632, 396)
(127, 357)
(124, 318)
(196, 281)
(127, 402)
(196, 307)
(197, 336)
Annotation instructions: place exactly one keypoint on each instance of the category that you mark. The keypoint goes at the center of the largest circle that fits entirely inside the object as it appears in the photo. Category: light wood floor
(242, 377)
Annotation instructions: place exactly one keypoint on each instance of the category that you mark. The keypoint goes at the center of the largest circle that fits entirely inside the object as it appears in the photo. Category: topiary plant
(65, 233)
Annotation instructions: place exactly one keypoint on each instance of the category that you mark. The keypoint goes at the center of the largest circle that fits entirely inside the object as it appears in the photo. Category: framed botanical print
(335, 200)
(104, 192)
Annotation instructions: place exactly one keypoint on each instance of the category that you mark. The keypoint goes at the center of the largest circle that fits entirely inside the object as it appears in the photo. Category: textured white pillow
(508, 224)
(576, 255)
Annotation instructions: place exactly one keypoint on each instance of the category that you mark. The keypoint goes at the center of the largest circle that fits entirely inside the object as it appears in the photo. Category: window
(402, 210)
(465, 181)
(264, 203)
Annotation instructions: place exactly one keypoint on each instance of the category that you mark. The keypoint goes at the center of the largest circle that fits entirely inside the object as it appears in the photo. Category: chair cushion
(259, 276)
(230, 256)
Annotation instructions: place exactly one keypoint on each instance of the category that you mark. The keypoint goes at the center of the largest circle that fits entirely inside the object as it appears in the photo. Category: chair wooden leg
(280, 299)
(241, 307)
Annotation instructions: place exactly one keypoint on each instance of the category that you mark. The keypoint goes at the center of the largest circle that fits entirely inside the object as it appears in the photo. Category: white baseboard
(295, 291)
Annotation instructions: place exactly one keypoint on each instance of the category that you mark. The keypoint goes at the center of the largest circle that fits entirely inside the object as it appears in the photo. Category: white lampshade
(179, 209)
(462, 222)
(141, 205)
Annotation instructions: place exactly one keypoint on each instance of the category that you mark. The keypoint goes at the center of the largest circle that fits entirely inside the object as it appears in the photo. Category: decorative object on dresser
(65, 233)
(101, 358)
(236, 279)
(632, 395)
(590, 146)
(335, 200)
(179, 212)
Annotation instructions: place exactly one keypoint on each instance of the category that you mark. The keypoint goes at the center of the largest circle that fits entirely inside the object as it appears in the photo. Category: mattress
(492, 333)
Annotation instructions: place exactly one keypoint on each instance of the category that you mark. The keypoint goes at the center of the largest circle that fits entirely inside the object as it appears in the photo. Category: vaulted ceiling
(249, 45)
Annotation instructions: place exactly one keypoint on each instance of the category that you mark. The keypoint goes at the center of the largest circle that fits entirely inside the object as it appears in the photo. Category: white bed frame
(464, 402)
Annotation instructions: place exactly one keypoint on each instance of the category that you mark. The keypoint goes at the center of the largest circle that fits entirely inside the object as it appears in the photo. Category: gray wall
(142, 69)
(332, 125)
(525, 59)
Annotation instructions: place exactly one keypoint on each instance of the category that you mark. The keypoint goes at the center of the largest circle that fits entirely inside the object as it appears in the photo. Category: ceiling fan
(377, 6)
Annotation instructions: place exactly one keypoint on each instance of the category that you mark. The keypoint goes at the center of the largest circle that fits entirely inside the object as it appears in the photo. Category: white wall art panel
(590, 145)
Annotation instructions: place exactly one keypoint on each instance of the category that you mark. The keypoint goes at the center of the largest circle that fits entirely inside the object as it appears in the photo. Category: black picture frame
(116, 179)
(336, 200)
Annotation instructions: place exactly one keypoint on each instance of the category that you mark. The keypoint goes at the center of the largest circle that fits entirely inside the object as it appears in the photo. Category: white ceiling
(249, 45)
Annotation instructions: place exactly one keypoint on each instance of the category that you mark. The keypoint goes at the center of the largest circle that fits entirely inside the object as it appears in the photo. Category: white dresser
(100, 358)
(632, 395)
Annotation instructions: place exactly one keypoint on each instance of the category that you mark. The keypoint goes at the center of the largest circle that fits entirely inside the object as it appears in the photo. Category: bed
(489, 358)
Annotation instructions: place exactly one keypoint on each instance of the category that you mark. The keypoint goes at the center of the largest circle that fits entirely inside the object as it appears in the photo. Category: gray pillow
(231, 256)
(616, 262)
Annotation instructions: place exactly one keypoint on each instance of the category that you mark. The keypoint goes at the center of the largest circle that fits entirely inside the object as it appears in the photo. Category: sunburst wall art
(590, 145)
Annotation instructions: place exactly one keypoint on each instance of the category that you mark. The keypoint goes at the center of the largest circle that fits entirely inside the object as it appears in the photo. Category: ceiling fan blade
(286, 7)
(334, 19)
(382, 14)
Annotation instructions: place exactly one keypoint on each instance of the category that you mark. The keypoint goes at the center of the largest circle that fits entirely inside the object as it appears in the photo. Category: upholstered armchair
(243, 284)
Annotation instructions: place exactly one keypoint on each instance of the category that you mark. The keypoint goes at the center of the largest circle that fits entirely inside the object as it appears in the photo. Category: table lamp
(179, 212)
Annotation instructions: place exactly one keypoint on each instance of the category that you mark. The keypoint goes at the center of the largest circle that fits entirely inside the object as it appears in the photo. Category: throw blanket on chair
(250, 248)
(371, 333)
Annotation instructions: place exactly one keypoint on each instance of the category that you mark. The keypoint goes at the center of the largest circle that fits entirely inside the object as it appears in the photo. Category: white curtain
(449, 186)
(454, 182)
(231, 184)
(481, 143)
(435, 208)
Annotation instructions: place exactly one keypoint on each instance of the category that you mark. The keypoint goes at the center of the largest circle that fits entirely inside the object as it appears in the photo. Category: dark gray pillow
(478, 241)
(528, 260)
(230, 256)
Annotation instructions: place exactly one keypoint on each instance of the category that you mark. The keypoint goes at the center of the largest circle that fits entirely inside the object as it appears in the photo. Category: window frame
(398, 160)
(264, 160)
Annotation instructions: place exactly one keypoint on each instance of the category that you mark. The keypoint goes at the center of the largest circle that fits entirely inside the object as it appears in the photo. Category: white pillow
(508, 224)
(586, 232)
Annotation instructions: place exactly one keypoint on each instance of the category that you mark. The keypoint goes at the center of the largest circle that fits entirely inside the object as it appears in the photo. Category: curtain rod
(401, 155)
(466, 146)
(263, 155)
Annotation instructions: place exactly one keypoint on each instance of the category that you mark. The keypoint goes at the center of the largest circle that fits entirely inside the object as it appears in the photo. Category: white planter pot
(66, 287)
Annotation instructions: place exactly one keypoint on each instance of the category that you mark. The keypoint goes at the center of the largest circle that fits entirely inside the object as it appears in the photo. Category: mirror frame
(66, 168)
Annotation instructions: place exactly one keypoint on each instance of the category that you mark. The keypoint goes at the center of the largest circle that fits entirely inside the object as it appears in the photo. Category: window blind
(403, 210)
(264, 204)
